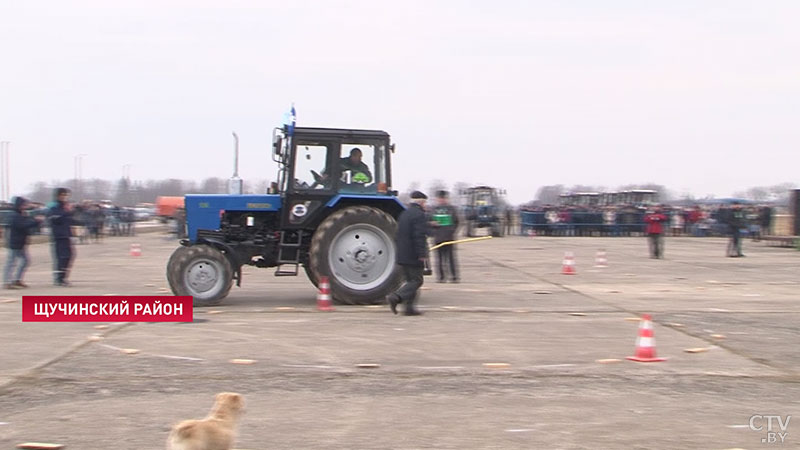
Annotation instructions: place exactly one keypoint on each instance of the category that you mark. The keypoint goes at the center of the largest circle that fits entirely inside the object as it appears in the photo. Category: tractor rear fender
(389, 204)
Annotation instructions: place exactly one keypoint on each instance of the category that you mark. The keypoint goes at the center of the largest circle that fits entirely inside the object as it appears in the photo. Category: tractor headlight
(299, 210)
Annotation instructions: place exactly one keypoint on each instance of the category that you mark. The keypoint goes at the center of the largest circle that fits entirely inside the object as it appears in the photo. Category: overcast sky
(700, 96)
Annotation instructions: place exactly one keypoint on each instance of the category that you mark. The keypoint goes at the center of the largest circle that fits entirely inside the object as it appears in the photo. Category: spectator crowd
(629, 220)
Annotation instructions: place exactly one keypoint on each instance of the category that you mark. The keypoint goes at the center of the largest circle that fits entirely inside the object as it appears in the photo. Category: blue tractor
(485, 208)
(332, 211)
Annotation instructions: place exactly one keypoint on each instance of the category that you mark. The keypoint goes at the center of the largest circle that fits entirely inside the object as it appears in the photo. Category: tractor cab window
(309, 167)
(357, 169)
(483, 198)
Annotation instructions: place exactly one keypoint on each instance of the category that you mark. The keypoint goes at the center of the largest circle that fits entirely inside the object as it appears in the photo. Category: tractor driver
(358, 171)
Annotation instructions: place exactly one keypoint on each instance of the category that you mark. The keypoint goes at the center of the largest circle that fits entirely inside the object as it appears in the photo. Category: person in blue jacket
(20, 227)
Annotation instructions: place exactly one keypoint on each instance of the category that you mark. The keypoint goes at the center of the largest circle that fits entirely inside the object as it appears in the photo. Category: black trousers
(656, 245)
(735, 244)
(409, 291)
(447, 256)
(62, 257)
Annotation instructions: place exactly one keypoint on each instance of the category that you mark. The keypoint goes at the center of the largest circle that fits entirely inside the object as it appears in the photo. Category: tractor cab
(321, 166)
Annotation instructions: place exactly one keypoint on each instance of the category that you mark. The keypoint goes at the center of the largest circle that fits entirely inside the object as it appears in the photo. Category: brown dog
(215, 432)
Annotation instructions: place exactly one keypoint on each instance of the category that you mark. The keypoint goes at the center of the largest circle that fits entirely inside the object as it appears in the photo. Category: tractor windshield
(483, 198)
(350, 166)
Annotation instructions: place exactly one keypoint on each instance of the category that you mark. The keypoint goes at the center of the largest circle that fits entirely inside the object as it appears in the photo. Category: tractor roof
(341, 132)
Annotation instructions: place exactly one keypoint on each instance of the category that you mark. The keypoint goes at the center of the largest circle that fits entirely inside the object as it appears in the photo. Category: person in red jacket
(655, 232)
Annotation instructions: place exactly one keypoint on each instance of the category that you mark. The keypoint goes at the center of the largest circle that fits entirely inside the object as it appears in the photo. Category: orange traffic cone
(568, 266)
(600, 260)
(324, 295)
(646, 342)
(136, 250)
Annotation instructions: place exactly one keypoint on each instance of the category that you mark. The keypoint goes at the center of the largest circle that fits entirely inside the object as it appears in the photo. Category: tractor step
(287, 273)
(289, 255)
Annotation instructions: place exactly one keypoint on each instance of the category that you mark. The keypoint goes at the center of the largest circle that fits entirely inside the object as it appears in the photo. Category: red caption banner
(119, 308)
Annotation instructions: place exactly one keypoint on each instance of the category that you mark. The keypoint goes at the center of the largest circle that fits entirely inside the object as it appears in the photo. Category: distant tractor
(332, 212)
(484, 207)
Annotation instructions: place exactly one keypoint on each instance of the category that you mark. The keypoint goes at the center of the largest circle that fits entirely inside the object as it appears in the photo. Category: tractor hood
(203, 211)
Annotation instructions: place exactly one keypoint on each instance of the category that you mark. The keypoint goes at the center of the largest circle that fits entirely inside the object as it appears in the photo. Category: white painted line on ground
(180, 357)
(111, 347)
(546, 366)
(519, 430)
(306, 366)
(738, 426)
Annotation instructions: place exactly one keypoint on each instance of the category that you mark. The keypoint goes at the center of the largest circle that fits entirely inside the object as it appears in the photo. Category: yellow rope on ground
(460, 241)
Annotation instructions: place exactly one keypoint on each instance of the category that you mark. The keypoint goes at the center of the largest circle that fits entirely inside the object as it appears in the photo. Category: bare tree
(213, 185)
(41, 192)
(257, 187)
(459, 189)
(123, 196)
(549, 195)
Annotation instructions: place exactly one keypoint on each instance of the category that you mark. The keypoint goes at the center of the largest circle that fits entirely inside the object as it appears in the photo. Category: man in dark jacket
(412, 252)
(445, 224)
(60, 218)
(19, 228)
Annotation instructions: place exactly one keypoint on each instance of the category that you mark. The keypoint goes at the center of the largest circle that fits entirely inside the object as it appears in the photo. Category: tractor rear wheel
(202, 272)
(355, 248)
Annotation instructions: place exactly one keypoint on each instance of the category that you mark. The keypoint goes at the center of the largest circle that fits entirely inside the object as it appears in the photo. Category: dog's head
(229, 404)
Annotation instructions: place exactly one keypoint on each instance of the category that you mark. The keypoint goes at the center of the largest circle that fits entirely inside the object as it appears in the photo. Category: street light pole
(79, 176)
(5, 189)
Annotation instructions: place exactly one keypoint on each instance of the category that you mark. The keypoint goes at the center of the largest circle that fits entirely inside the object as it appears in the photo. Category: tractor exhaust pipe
(235, 183)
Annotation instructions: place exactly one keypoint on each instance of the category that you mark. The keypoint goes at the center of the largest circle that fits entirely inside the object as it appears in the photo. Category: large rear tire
(355, 248)
(202, 272)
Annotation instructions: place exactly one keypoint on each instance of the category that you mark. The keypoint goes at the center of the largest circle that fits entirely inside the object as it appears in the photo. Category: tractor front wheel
(202, 272)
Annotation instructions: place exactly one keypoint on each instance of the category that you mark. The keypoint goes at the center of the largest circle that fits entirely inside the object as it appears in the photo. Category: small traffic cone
(568, 266)
(136, 250)
(324, 295)
(646, 342)
(600, 260)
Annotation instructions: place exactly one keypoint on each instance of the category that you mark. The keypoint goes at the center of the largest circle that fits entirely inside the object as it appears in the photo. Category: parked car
(141, 214)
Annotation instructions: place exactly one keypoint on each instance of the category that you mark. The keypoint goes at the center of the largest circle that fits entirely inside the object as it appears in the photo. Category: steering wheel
(318, 179)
